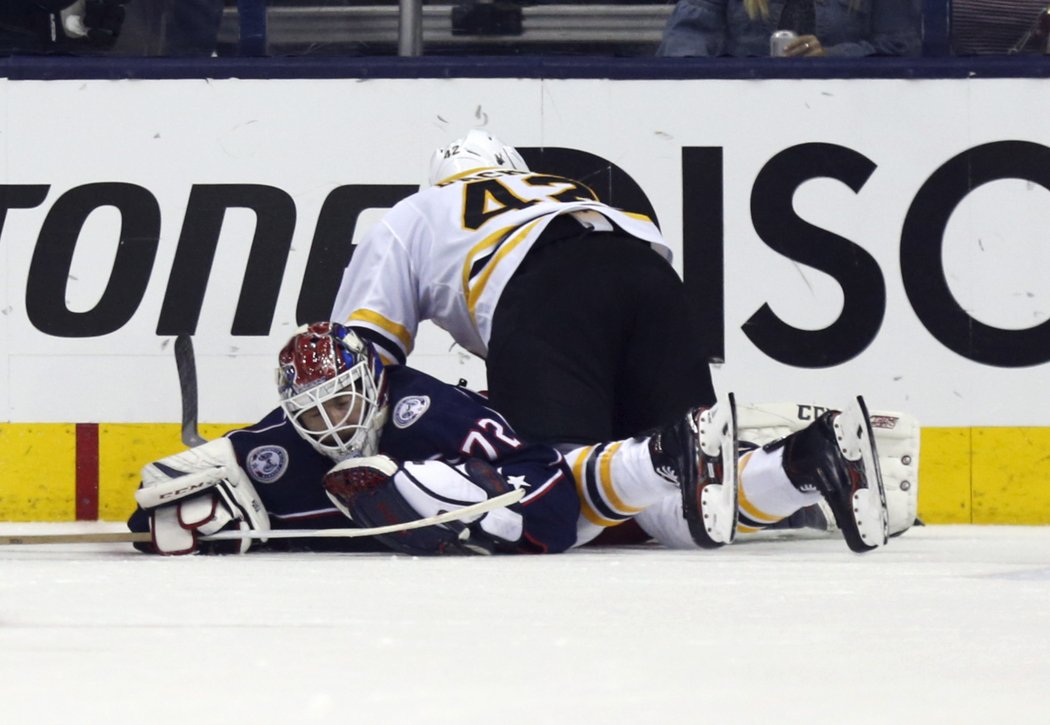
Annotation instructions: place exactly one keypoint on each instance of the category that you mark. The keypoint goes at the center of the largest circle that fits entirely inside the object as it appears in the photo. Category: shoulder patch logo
(267, 463)
(410, 409)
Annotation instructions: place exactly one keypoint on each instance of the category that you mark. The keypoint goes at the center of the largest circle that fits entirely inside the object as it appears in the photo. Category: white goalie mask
(332, 387)
(477, 150)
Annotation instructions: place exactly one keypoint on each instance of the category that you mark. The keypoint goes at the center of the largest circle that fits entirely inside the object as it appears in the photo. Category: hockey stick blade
(186, 367)
(496, 502)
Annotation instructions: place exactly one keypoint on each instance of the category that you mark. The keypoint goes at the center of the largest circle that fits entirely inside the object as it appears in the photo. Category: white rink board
(947, 624)
(307, 137)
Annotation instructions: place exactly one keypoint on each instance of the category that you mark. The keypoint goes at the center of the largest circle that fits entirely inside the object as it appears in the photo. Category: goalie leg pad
(897, 438)
(836, 457)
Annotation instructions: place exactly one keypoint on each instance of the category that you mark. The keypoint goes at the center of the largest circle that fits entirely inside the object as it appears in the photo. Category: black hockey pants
(592, 341)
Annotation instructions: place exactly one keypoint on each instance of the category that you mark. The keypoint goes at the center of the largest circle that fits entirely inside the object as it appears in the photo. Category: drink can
(779, 41)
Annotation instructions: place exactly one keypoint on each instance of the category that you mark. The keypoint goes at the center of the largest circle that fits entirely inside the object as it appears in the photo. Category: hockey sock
(615, 482)
(766, 493)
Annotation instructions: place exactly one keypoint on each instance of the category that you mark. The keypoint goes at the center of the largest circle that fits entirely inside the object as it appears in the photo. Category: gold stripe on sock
(588, 510)
(748, 508)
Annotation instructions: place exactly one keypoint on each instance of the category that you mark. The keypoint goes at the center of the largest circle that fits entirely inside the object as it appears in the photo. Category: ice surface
(948, 624)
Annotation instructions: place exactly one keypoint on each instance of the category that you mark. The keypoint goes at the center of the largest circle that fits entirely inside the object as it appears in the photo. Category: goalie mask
(478, 150)
(333, 389)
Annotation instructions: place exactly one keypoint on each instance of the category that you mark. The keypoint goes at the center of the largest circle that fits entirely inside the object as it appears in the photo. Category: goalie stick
(186, 367)
(495, 502)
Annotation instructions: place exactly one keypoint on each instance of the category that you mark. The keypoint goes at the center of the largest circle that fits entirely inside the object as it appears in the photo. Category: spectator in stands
(826, 28)
(59, 26)
(110, 27)
(982, 27)
(171, 27)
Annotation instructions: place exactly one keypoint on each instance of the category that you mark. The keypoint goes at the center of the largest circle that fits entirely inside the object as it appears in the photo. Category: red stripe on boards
(87, 472)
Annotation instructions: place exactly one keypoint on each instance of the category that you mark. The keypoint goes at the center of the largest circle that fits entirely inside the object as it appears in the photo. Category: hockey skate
(836, 457)
(699, 453)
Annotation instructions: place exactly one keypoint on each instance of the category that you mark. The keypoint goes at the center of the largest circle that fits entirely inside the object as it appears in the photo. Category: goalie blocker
(376, 491)
(896, 438)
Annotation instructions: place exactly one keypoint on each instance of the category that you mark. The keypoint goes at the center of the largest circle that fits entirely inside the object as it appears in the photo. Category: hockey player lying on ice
(355, 443)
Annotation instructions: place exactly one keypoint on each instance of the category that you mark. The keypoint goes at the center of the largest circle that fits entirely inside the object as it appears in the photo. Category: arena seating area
(631, 28)
(371, 27)
(542, 28)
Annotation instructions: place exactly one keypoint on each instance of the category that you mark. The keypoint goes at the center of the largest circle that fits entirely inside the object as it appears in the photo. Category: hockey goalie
(356, 443)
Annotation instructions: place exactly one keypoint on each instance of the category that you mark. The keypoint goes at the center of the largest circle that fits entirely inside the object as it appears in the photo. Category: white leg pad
(896, 440)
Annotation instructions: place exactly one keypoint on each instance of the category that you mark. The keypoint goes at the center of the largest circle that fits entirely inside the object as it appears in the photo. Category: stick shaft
(496, 502)
(186, 366)
(500, 501)
(92, 538)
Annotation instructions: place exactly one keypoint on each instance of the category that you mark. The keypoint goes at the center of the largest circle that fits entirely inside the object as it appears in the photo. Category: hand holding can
(779, 42)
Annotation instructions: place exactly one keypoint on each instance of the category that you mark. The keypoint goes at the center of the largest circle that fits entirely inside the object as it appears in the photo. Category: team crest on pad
(409, 410)
(267, 463)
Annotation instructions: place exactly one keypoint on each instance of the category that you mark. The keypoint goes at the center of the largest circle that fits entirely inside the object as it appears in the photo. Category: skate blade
(719, 503)
(857, 443)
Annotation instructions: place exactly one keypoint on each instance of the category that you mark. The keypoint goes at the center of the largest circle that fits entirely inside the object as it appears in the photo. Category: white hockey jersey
(446, 253)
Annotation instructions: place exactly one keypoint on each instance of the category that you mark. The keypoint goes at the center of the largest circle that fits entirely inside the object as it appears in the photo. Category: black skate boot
(817, 517)
(690, 454)
(835, 456)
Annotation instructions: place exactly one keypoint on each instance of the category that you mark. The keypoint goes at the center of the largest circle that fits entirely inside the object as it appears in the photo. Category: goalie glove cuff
(504, 525)
(169, 535)
(177, 528)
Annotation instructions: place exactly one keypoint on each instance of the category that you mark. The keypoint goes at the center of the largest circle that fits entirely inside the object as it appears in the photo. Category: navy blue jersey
(428, 420)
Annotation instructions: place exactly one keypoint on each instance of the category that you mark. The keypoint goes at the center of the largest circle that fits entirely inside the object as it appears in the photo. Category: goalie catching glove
(375, 491)
(196, 493)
